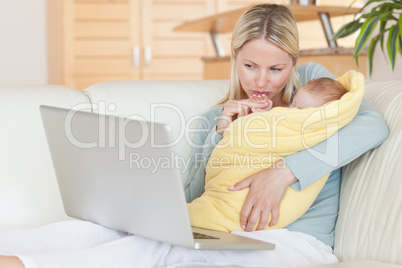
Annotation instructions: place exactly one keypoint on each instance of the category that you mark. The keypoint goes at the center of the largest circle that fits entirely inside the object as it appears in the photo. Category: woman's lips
(260, 92)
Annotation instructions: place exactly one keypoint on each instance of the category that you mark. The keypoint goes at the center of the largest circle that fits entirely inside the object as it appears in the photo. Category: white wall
(24, 52)
(381, 66)
(23, 42)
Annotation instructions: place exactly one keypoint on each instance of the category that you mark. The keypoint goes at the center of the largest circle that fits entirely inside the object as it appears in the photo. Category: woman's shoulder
(311, 67)
(311, 70)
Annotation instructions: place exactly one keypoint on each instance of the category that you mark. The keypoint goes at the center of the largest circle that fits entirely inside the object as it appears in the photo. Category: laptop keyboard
(203, 236)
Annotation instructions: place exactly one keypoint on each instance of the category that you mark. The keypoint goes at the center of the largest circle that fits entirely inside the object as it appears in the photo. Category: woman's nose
(261, 79)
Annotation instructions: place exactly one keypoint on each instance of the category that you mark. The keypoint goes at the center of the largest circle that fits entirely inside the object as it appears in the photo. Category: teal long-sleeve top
(366, 131)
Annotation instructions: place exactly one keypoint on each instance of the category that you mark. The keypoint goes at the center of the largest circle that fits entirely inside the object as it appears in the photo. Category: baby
(314, 93)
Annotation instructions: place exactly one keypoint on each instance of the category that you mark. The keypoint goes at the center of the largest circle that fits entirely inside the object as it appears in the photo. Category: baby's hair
(327, 88)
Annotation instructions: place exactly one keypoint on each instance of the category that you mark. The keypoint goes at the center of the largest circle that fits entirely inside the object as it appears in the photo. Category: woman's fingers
(255, 207)
(242, 111)
(241, 185)
(253, 218)
(275, 216)
(254, 214)
(242, 106)
(235, 109)
(244, 216)
(248, 205)
(264, 217)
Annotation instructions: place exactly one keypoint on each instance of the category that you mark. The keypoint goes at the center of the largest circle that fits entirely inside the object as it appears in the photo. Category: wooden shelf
(224, 22)
(337, 59)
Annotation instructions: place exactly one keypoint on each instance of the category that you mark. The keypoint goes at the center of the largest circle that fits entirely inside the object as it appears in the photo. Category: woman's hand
(262, 99)
(267, 189)
(234, 109)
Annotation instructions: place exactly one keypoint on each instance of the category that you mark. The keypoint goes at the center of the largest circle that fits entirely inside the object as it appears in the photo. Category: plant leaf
(381, 32)
(365, 33)
(398, 3)
(347, 29)
(382, 42)
(387, 17)
(385, 14)
(392, 44)
(387, 5)
(370, 52)
(368, 3)
(400, 44)
(400, 24)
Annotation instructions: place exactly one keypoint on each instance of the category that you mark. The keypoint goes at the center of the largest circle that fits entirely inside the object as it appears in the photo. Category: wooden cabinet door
(170, 55)
(107, 40)
(100, 41)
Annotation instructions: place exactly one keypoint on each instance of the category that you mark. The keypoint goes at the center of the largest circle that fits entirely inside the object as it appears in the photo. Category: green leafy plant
(384, 12)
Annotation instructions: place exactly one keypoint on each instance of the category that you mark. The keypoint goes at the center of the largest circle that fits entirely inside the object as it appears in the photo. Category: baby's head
(317, 92)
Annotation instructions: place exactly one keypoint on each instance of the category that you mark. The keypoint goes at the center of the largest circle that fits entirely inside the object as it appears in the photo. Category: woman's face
(263, 69)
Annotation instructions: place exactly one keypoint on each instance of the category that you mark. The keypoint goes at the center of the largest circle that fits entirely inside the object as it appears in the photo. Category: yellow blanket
(254, 142)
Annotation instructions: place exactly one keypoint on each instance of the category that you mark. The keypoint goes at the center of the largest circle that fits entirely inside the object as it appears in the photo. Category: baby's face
(304, 99)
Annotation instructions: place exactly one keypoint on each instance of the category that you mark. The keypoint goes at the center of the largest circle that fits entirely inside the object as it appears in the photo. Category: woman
(264, 55)
(265, 49)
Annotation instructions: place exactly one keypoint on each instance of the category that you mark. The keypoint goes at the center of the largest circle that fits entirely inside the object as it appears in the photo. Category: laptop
(108, 173)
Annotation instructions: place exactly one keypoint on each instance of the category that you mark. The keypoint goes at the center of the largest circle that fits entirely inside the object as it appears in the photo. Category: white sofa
(369, 227)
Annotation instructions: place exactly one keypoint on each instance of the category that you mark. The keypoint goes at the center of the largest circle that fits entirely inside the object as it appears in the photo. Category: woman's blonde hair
(274, 23)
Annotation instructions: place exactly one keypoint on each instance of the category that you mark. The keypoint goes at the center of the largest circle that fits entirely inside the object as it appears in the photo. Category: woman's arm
(205, 140)
(366, 131)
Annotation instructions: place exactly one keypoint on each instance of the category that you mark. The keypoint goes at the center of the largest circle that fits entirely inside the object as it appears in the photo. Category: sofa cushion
(354, 264)
(29, 195)
(369, 225)
(176, 103)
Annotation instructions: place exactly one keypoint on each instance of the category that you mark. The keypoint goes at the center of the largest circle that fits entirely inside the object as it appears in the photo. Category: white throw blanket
(83, 244)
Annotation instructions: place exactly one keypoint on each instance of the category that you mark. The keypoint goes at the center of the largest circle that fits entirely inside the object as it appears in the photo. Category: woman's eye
(276, 69)
(248, 65)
